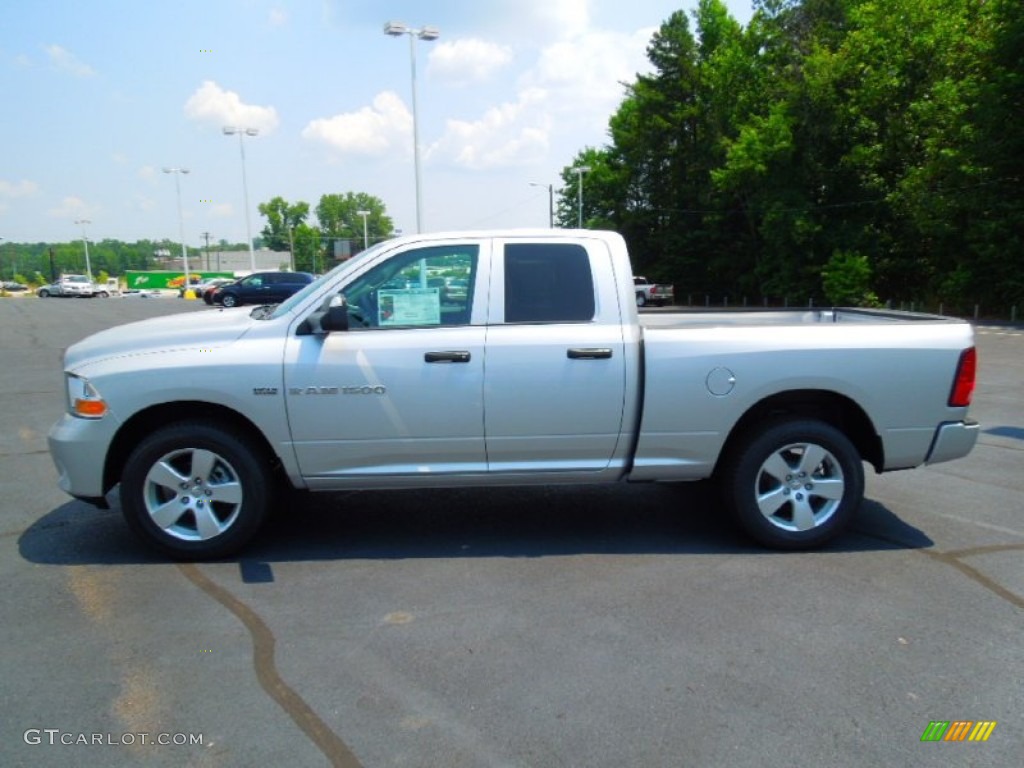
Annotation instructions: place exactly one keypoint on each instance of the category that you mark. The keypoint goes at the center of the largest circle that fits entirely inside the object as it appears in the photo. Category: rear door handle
(589, 353)
(446, 357)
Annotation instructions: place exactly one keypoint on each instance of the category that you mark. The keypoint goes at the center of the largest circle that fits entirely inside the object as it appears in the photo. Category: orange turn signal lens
(90, 409)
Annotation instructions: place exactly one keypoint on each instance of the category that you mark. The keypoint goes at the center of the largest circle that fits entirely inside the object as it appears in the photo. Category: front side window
(422, 287)
(548, 283)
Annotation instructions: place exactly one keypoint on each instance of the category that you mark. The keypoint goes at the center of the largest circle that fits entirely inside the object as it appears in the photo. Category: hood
(206, 329)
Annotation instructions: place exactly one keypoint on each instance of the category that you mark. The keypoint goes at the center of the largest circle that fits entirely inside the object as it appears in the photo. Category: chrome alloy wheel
(192, 494)
(799, 487)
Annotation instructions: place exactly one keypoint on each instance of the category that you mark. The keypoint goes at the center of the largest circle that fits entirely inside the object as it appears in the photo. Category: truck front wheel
(195, 491)
(795, 485)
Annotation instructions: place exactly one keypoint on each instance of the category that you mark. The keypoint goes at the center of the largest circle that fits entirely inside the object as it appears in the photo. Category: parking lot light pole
(366, 236)
(579, 171)
(85, 242)
(397, 29)
(181, 225)
(230, 130)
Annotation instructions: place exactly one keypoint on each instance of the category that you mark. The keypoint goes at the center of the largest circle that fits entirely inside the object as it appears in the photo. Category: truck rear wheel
(795, 485)
(195, 491)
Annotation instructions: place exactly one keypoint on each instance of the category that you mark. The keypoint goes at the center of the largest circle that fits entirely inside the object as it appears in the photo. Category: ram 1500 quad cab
(538, 370)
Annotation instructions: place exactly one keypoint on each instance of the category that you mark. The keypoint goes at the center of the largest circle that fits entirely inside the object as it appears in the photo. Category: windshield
(286, 306)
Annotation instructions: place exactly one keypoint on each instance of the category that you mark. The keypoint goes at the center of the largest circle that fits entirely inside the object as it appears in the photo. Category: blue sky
(98, 97)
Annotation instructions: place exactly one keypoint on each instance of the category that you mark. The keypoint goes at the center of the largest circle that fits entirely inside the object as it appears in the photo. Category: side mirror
(332, 316)
(335, 318)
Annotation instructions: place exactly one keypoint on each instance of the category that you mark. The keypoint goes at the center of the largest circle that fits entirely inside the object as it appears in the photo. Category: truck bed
(780, 317)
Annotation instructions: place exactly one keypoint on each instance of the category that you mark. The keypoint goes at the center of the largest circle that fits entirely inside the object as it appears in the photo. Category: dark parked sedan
(262, 288)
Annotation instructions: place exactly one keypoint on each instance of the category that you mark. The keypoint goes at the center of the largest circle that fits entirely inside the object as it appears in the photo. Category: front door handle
(590, 353)
(446, 357)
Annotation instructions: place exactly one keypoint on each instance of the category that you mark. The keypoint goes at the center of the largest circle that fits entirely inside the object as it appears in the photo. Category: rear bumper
(953, 441)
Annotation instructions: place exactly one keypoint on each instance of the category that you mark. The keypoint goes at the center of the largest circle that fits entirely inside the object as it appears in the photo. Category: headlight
(83, 399)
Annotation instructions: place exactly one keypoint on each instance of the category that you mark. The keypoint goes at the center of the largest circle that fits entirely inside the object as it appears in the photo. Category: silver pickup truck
(503, 358)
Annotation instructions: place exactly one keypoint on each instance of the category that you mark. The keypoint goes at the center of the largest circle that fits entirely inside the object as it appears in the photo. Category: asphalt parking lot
(624, 626)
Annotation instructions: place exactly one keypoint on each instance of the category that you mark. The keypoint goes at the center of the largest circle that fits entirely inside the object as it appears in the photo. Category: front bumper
(953, 440)
(79, 448)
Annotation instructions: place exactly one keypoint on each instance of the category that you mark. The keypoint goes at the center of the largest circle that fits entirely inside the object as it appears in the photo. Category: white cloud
(568, 94)
(23, 188)
(371, 131)
(217, 106)
(570, 17)
(72, 208)
(509, 134)
(466, 61)
(65, 61)
(532, 21)
(144, 203)
(591, 69)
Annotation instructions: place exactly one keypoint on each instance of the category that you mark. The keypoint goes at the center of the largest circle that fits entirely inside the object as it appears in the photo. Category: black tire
(190, 510)
(794, 484)
(230, 300)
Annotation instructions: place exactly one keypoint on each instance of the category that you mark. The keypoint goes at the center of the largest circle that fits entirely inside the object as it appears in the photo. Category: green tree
(308, 257)
(846, 280)
(282, 219)
(339, 219)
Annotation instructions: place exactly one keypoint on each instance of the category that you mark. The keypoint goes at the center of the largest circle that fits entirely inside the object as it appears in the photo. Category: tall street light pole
(579, 171)
(397, 29)
(230, 130)
(551, 201)
(366, 235)
(181, 225)
(85, 242)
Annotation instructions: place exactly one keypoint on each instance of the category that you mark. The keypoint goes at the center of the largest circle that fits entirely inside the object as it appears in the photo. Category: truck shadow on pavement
(475, 523)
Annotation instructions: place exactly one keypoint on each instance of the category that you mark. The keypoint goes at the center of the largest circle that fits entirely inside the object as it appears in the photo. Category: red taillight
(963, 385)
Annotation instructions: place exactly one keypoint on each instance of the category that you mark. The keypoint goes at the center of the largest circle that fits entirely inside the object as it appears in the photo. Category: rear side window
(548, 283)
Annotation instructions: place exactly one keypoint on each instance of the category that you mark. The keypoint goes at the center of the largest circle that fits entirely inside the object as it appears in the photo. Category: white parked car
(71, 286)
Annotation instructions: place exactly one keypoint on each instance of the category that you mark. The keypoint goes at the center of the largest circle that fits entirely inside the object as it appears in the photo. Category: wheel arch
(830, 407)
(164, 414)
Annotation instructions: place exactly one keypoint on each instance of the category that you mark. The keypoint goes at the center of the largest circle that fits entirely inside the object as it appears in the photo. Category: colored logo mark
(958, 730)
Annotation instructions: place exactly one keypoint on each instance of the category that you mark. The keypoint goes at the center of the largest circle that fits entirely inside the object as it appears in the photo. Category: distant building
(227, 261)
(239, 261)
